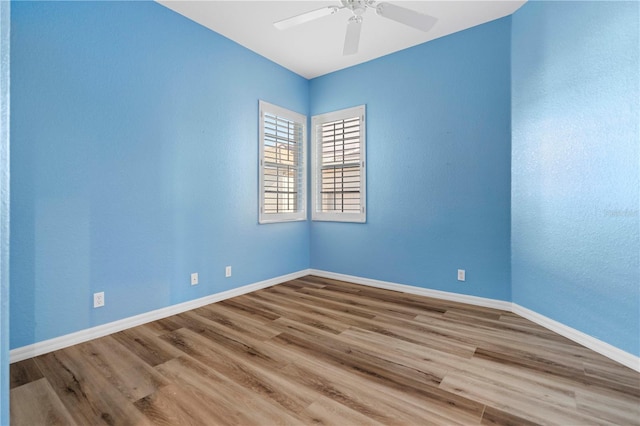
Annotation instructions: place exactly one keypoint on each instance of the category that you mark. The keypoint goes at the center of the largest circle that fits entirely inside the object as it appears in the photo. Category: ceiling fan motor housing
(358, 7)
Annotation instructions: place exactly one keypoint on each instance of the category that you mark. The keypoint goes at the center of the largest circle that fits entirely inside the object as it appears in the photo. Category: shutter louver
(339, 177)
(340, 166)
(282, 140)
(282, 164)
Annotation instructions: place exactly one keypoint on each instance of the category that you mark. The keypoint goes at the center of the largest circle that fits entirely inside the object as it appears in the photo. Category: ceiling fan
(358, 8)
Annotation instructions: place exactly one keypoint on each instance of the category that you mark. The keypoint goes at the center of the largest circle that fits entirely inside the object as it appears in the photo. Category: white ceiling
(315, 48)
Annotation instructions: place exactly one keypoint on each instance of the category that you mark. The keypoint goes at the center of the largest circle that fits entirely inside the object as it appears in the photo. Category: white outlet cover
(461, 275)
(98, 299)
(227, 271)
(194, 278)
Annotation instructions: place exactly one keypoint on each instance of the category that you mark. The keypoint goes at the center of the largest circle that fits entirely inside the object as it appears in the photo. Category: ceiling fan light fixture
(357, 7)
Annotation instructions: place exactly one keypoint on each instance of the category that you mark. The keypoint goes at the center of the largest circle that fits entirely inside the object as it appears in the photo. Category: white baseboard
(81, 336)
(603, 348)
(437, 294)
(596, 345)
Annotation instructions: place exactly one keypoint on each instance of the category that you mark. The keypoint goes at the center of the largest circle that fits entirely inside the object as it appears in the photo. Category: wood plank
(83, 390)
(212, 393)
(248, 373)
(308, 315)
(161, 326)
(325, 303)
(326, 411)
(260, 314)
(547, 363)
(376, 399)
(24, 372)
(36, 403)
(410, 381)
(242, 324)
(397, 328)
(371, 303)
(613, 374)
(609, 406)
(126, 372)
(494, 416)
(511, 399)
(173, 405)
(243, 346)
(143, 342)
(508, 340)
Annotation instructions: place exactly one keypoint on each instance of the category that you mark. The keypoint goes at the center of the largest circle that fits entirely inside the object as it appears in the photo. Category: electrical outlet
(194, 278)
(461, 275)
(227, 271)
(98, 299)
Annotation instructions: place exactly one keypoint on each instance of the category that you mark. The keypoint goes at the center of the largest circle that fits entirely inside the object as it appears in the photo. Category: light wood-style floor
(318, 351)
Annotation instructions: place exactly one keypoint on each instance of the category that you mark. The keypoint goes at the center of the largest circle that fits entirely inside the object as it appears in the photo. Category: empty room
(338, 212)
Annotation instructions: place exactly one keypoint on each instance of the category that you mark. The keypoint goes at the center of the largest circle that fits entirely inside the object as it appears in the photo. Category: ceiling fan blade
(406, 16)
(352, 38)
(305, 17)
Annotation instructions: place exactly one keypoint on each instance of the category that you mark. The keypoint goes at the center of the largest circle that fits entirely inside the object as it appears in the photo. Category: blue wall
(5, 10)
(438, 159)
(134, 164)
(575, 179)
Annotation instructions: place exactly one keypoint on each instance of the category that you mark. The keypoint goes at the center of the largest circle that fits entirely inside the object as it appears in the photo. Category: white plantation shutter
(339, 166)
(282, 164)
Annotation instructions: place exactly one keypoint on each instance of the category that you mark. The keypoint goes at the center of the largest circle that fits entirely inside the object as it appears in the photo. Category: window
(282, 164)
(339, 178)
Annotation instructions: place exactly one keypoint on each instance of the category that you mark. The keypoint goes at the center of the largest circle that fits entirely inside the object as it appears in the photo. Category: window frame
(292, 116)
(316, 179)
